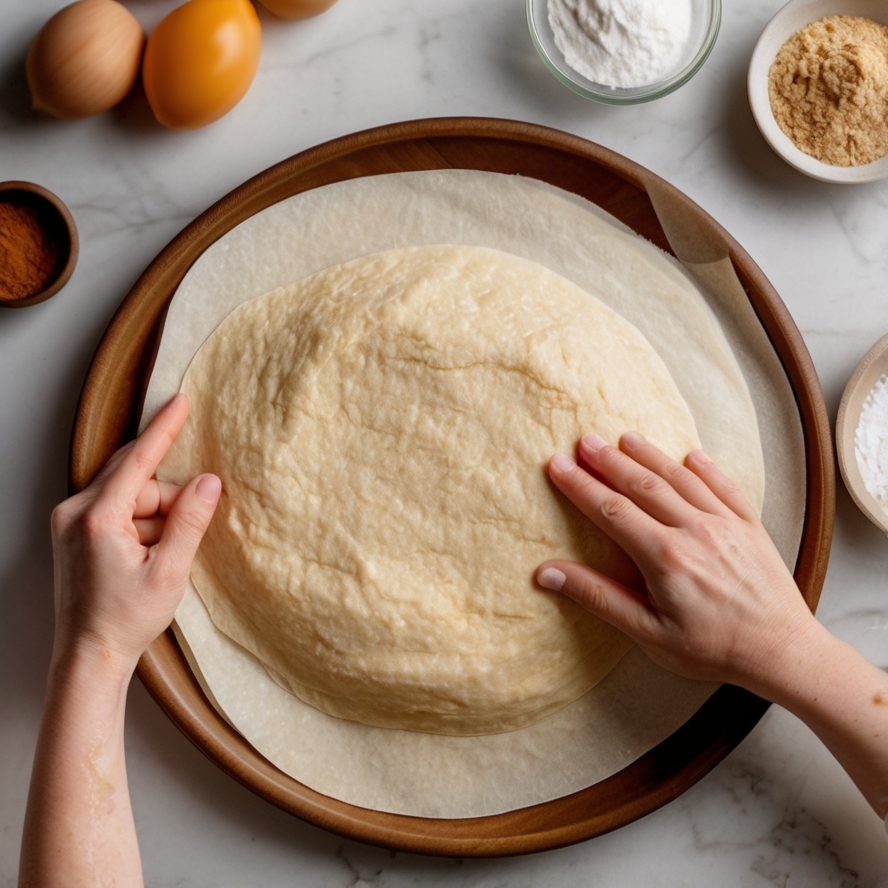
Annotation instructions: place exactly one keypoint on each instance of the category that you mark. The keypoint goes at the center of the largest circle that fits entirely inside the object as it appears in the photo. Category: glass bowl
(704, 30)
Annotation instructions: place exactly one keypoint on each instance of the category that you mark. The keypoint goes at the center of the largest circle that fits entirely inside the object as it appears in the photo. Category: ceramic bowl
(790, 19)
(59, 227)
(870, 370)
(704, 30)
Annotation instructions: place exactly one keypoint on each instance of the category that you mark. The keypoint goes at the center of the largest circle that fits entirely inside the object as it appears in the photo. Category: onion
(297, 9)
(85, 59)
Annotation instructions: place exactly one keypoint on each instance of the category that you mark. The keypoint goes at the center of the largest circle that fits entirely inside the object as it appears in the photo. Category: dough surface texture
(382, 429)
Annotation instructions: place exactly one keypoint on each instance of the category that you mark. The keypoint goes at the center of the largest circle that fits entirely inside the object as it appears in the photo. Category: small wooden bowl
(869, 371)
(58, 224)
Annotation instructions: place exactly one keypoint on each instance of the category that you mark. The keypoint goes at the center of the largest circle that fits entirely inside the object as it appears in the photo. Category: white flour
(871, 442)
(622, 43)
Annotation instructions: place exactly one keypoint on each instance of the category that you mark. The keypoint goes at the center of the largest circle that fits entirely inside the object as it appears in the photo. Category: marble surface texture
(778, 811)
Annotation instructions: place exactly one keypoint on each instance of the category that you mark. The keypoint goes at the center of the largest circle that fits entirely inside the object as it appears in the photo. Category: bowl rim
(611, 95)
(64, 274)
(788, 20)
(873, 366)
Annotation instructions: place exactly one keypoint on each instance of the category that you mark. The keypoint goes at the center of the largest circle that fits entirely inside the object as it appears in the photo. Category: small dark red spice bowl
(38, 244)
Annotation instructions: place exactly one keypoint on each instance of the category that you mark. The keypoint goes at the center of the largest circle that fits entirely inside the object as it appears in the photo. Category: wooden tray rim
(512, 832)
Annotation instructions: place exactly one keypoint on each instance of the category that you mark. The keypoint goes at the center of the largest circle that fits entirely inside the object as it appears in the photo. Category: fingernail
(208, 488)
(562, 463)
(700, 457)
(593, 443)
(551, 578)
(631, 440)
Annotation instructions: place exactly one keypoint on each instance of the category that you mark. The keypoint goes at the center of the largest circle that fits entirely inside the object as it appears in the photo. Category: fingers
(690, 487)
(186, 524)
(615, 514)
(155, 498)
(620, 606)
(722, 486)
(646, 488)
(136, 466)
(109, 468)
(661, 486)
(149, 530)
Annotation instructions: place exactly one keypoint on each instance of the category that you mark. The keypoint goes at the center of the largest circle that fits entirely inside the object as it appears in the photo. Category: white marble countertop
(779, 810)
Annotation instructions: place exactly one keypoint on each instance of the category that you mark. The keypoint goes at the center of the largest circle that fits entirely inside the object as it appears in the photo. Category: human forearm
(719, 603)
(122, 550)
(843, 699)
(79, 827)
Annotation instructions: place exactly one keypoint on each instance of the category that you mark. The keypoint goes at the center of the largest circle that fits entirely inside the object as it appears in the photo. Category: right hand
(719, 603)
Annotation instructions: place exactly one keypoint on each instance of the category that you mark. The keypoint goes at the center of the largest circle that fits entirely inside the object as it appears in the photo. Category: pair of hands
(719, 602)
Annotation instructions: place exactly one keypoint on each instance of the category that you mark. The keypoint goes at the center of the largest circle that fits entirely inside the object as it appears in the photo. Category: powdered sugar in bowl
(636, 50)
(862, 435)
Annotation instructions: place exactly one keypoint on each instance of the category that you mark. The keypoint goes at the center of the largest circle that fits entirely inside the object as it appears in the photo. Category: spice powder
(29, 255)
(828, 88)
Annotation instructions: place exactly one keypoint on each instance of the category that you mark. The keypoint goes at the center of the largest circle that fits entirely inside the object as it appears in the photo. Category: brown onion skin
(85, 59)
(297, 9)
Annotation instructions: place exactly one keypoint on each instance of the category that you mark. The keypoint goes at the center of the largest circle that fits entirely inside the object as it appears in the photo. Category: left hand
(123, 547)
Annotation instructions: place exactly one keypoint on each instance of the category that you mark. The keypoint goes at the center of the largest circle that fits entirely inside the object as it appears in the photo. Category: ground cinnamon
(29, 255)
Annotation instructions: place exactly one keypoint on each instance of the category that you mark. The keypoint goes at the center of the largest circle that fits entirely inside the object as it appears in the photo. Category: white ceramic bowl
(790, 19)
(704, 30)
(869, 371)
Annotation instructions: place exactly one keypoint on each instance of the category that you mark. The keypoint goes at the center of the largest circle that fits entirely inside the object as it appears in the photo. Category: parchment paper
(637, 705)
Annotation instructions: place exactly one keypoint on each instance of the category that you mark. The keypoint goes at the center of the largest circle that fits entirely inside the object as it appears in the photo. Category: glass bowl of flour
(622, 52)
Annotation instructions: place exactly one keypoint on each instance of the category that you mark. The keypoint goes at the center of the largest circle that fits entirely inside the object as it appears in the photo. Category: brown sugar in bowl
(38, 244)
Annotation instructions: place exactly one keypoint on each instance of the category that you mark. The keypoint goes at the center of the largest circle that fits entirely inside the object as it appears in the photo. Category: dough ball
(382, 430)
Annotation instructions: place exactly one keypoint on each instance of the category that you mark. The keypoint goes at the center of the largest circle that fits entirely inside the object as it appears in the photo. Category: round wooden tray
(110, 404)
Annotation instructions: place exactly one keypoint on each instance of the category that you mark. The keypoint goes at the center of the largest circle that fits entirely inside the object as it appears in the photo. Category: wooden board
(110, 405)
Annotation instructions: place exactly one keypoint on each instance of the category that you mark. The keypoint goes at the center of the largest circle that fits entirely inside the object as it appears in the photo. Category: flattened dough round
(382, 429)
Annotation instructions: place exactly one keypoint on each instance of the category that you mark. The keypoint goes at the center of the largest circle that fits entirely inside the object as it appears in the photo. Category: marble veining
(778, 811)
